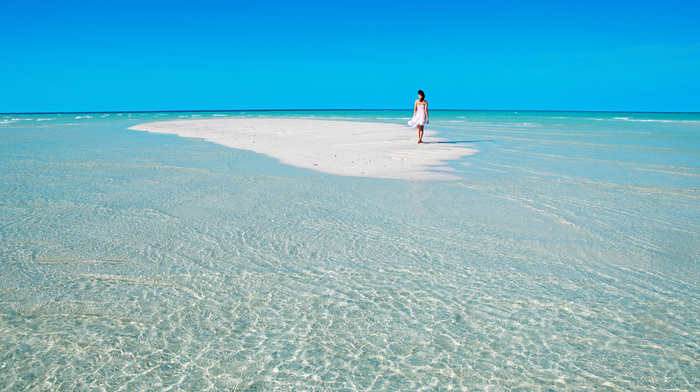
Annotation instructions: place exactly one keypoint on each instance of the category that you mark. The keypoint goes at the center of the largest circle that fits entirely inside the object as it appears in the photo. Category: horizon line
(344, 110)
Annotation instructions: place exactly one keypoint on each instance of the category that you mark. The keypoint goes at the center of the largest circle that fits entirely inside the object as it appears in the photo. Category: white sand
(343, 148)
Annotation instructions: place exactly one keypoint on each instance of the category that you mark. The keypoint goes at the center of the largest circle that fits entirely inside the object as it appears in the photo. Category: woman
(420, 114)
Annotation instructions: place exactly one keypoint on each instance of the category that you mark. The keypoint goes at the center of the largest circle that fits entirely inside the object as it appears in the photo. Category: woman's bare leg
(420, 133)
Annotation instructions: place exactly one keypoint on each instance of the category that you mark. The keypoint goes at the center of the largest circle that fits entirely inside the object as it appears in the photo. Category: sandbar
(346, 148)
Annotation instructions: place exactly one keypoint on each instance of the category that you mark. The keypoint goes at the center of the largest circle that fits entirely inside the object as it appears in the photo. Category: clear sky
(364, 54)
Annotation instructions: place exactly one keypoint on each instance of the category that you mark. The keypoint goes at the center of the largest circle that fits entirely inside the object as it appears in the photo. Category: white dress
(420, 117)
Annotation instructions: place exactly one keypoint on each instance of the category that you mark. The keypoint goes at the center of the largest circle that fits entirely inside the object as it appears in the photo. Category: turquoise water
(566, 259)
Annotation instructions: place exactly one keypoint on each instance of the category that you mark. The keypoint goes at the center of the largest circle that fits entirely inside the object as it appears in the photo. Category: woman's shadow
(461, 142)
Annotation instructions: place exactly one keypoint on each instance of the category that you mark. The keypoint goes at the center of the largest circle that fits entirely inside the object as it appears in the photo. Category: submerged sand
(345, 148)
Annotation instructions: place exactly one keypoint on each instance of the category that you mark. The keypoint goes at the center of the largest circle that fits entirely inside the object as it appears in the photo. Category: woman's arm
(415, 107)
(427, 118)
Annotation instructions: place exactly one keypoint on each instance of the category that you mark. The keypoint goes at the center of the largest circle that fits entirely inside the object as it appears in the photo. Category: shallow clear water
(567, 259)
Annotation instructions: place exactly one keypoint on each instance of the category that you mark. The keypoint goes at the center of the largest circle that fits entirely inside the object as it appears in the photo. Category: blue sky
(216, 55)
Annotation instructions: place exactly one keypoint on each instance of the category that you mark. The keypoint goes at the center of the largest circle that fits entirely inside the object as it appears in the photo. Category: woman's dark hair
(422, 95)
